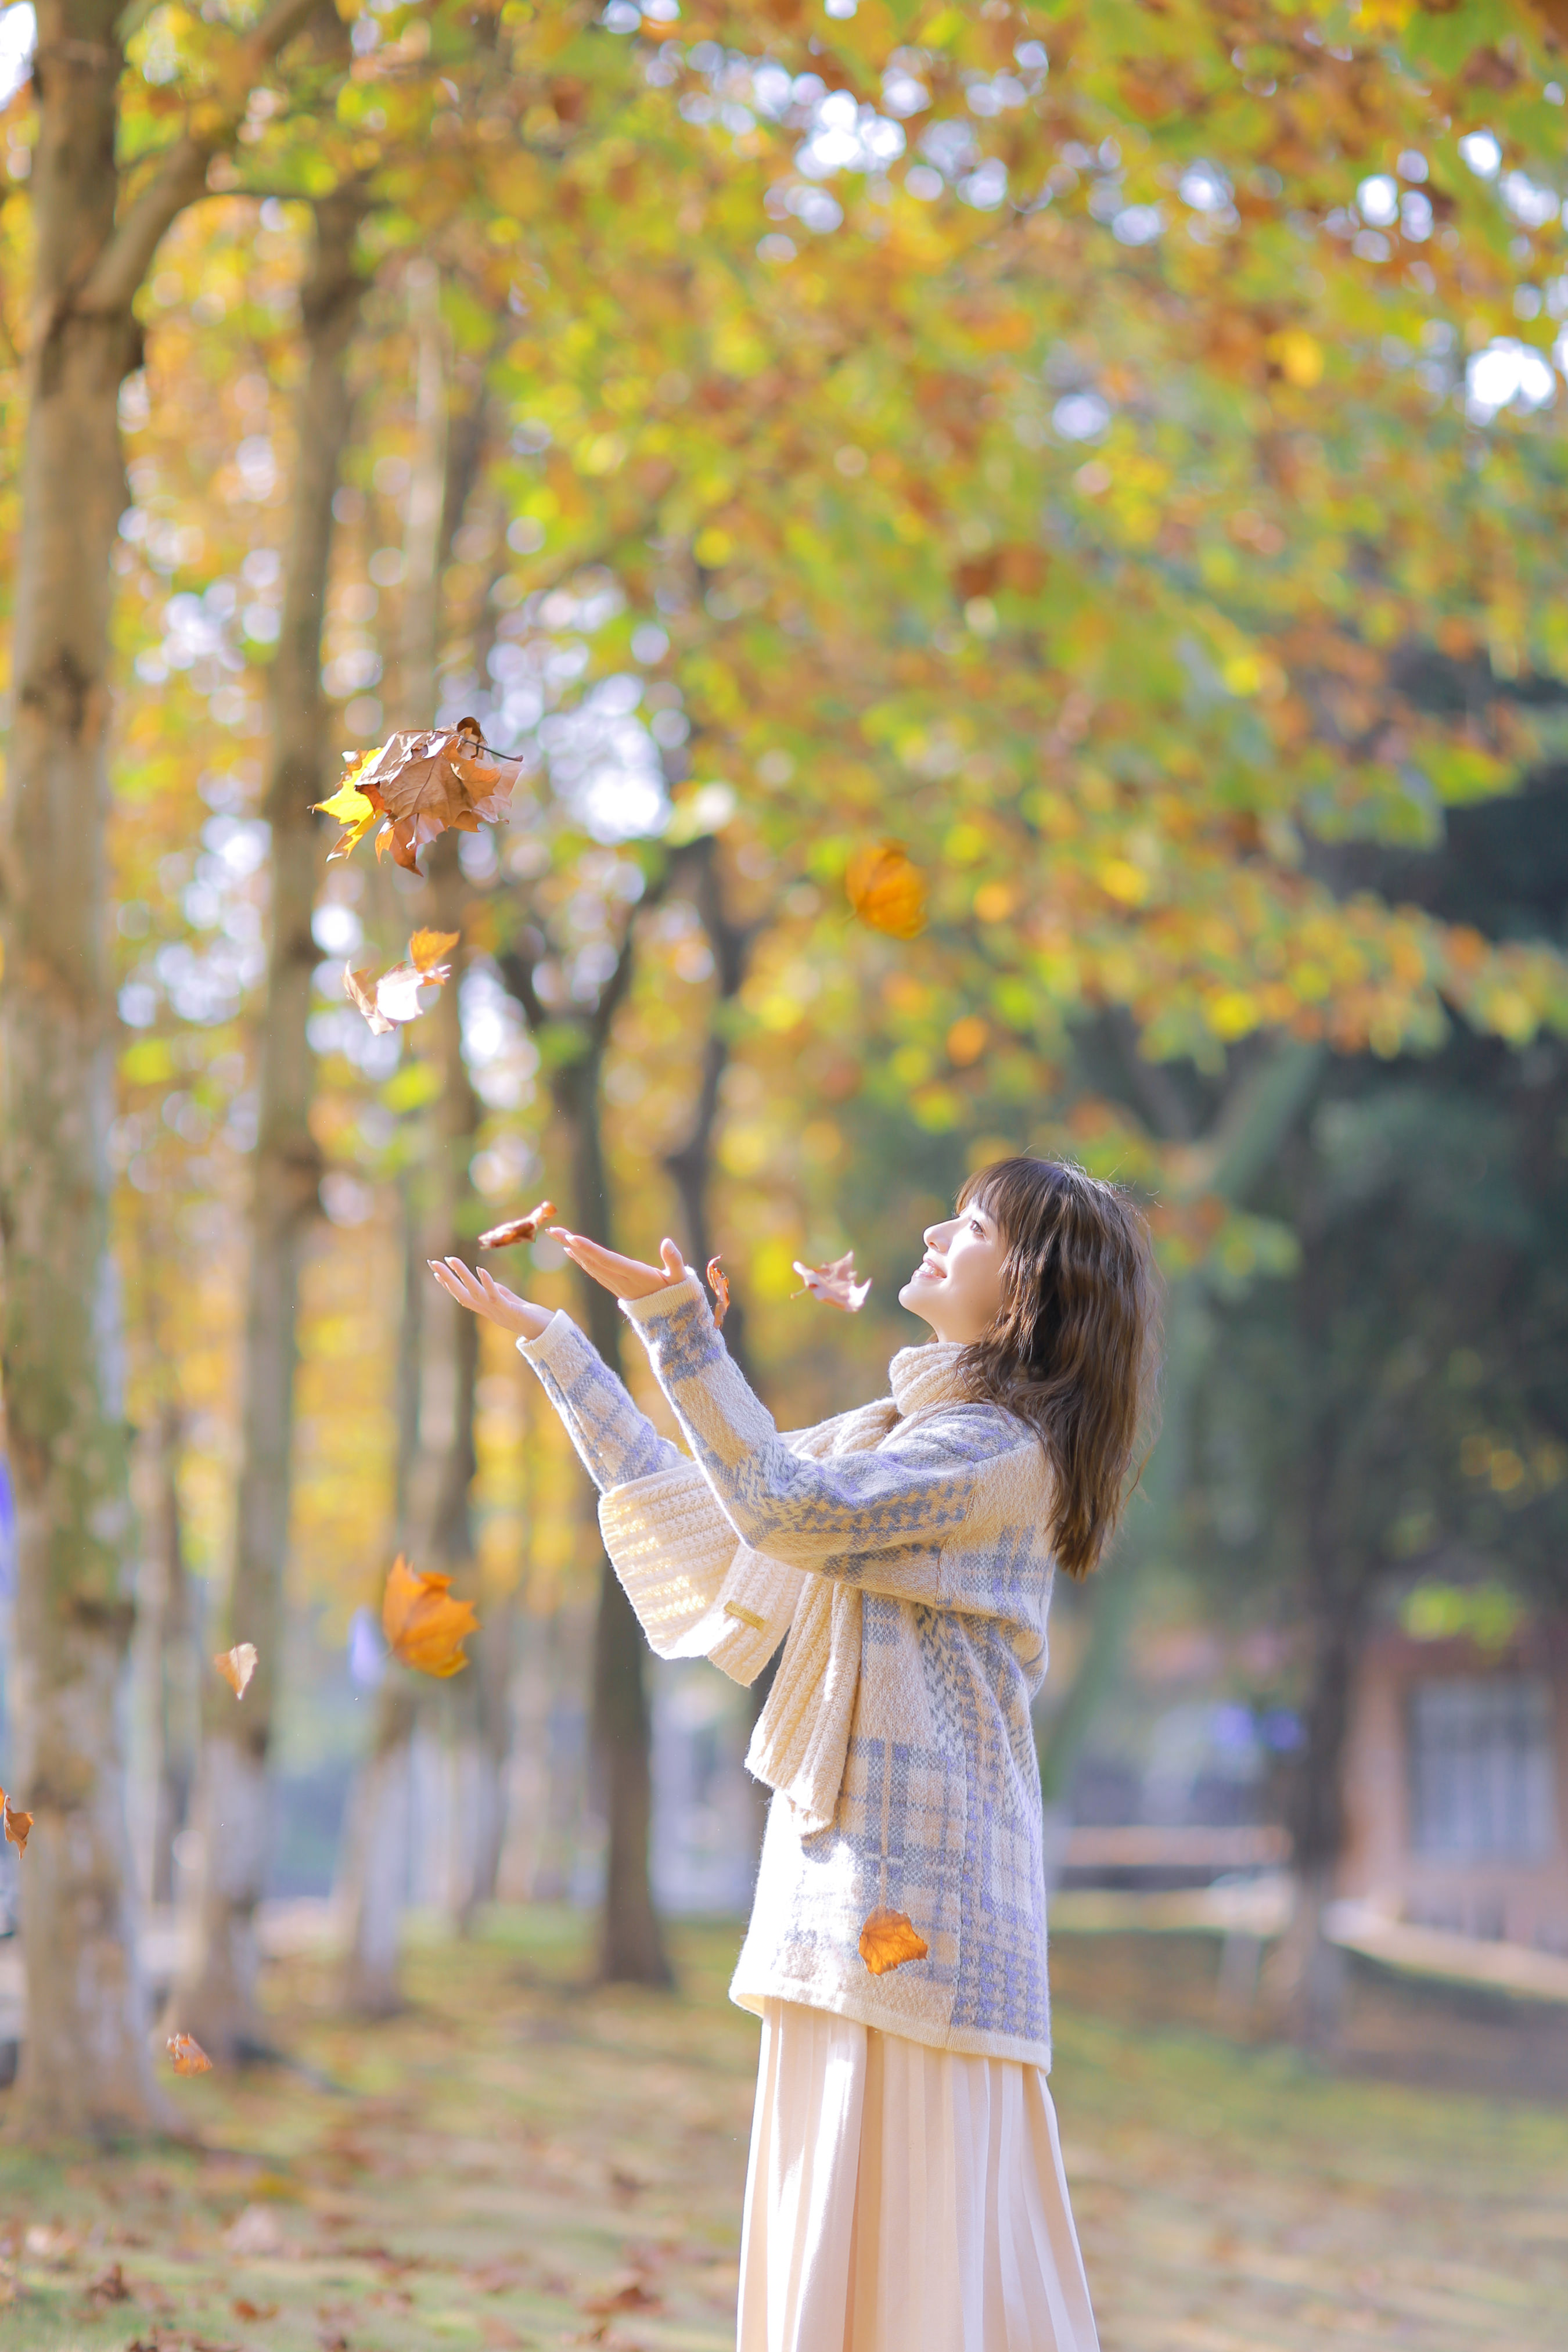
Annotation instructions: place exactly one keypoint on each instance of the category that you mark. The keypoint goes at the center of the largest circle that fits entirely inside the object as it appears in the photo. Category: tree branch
(182, 178)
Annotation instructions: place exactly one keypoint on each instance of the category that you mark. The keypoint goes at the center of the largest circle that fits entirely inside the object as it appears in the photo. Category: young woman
(905, 2190)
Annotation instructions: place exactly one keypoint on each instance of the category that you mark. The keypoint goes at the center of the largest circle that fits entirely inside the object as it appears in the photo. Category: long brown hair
(1074, 1347)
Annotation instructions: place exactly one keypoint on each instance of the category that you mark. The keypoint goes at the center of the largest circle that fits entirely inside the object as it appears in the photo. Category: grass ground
(518, 2161)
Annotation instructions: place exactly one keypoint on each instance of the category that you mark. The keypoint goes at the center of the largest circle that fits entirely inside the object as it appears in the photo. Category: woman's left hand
(627, 1276)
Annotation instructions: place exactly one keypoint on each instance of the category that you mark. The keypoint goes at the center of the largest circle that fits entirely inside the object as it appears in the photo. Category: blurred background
(1021, 553)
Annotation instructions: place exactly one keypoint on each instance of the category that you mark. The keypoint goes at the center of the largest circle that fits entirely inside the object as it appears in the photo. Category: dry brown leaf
(719, 1284)
(109, 2288)
(423, 783)
(888, 1940)
(18, 1825)
(887, 889)
(188, 2055)
(518, 1229)
(237, 1666)
(633, 2296)
(424, 1626)
(836, 1283)
(243, 2308)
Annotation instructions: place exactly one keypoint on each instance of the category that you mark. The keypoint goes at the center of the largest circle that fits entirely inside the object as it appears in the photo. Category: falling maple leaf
(18, 1825)
(424, 1626)
(888, 1940)
(518, 1229)
(395, 997)
(887, 889)
(836, 1283)
(419, 785)
(188, 2055)
(237, 1666)
(719, 1284)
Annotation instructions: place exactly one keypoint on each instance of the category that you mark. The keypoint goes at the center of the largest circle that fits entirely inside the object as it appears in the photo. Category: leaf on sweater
(419, 785)
(395, 997)
(518, 1229)
(188, 2055)
(719, 1284)
(19, 1824)
(237, 1666)
(424, 1626)
(836, 1283)
(888, 1940)
(887, 889)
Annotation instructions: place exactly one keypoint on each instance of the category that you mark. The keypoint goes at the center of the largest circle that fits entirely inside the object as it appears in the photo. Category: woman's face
(957, 1287)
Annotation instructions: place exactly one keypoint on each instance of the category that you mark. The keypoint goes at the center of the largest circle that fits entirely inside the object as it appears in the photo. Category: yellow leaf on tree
(424, 1626)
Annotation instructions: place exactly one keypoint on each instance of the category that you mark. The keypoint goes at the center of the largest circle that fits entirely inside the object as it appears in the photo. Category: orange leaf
(18, 1825)
(424, 1626)
(836, 1283)
(237, 1666)
(243, 2308)
(427, 948)
(718, 1282)
(520, 1229)
(188, 2055)
(888, 1940)
(887, 889)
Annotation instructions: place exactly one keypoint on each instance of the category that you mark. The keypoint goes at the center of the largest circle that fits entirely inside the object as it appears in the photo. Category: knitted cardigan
(909, 1780)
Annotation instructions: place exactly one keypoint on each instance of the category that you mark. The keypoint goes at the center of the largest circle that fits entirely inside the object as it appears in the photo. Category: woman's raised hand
(627, 1277)
(485, 1296)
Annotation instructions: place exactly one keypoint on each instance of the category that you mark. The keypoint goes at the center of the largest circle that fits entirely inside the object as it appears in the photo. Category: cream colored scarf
(701, 1593)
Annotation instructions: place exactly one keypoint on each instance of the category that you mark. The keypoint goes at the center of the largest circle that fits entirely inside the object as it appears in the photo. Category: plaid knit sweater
(934, 1531)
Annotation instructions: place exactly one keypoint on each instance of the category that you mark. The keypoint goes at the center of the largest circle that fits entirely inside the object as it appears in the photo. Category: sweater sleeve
(878, 1519)
(616, 1442)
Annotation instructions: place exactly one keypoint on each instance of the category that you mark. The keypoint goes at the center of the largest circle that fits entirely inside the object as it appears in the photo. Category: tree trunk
(439, 1346)
(691, 1166)
(217, 1996)
(169, 1633)
(631, 1948)
(1308, 1977)
(85, 2068)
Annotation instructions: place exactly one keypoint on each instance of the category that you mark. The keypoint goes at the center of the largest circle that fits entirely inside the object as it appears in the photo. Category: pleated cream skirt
(904, 2199)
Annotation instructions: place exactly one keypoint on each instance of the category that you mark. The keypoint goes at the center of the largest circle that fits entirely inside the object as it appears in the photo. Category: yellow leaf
(423, 1624)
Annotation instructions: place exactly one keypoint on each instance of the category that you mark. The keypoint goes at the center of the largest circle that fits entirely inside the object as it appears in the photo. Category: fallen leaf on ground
(243, 2309)
(254, 2231)
(836, 1283)
(110, 2288)
(719, 1284)
(237, 1666)
(423, 1623)
(393, 999)
(887, 889)
(517, 1229)
(888, 1940)
(633, 2296)
(18, 1825)
(419, 785)
(188, 2055)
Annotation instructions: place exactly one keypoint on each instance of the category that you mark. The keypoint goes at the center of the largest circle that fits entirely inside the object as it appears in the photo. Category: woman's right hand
(483, 1295)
